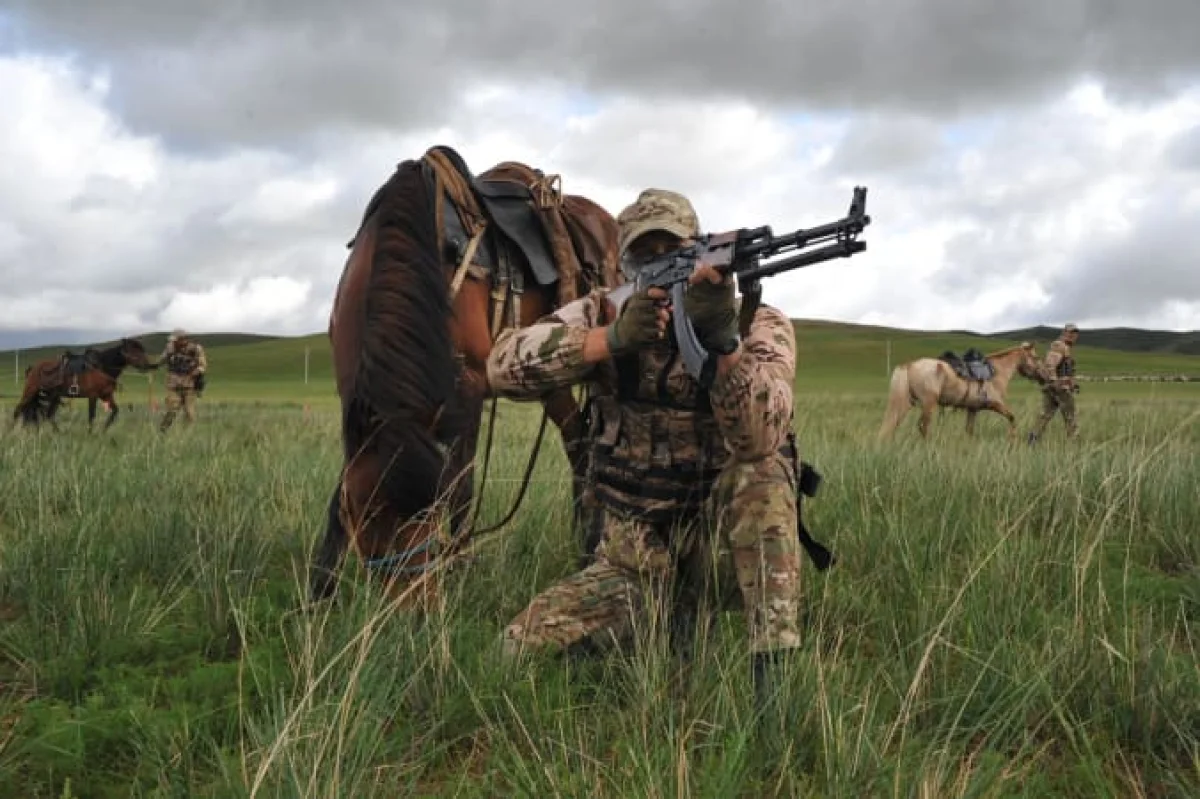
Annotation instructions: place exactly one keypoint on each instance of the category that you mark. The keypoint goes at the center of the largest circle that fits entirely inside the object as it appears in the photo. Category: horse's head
(1027, 365)
(134, 353)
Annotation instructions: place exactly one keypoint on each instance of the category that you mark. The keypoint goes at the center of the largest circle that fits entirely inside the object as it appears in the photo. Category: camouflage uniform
(1059, 386)
(693, 490)
(186, 363)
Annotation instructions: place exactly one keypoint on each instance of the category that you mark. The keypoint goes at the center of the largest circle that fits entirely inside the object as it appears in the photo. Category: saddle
(971, 366)
(68, 369)
(524, 207)
(74, 364)
(523, 210)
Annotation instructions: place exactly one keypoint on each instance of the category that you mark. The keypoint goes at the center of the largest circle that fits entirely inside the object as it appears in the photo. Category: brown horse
(442, 263)
(932, 382)
(93, 376)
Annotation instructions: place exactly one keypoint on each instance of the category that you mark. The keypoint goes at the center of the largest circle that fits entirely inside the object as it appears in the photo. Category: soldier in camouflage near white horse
(1058, 384)
(693, 487)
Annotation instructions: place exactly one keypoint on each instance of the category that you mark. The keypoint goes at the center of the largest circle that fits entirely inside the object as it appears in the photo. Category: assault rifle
(740, 252)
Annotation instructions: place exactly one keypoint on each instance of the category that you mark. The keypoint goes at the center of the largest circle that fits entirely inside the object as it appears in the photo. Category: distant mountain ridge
(1121, 339)
(79, 341)
(1124, 339)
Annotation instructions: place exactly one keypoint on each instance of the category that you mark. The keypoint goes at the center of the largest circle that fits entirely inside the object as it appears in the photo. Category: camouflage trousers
(1054, 400)
(179, 397)
(743, 550)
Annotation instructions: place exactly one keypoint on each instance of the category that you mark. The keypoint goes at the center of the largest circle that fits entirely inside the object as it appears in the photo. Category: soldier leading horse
(443, 261)
(92, 375)
(933, 382)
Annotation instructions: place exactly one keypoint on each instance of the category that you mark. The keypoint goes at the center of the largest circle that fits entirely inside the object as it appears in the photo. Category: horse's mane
(109, 357)
(406, 370)
(1005, 351)
(594, 235)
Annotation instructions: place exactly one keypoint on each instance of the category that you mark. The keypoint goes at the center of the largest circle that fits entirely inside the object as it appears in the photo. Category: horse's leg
(52, 407)
(91, 413)
(326, 562)
(1002, 409)
(971, 414)
(927, 409)
(113, 410)
(28, 406)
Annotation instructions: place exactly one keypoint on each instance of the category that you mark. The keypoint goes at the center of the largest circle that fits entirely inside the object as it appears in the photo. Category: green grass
(1003, 622)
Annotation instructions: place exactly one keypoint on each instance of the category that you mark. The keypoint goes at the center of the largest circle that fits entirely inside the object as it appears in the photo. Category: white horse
(931, 382)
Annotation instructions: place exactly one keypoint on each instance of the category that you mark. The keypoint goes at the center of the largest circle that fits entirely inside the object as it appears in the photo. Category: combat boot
(774, 728)
(766, 668)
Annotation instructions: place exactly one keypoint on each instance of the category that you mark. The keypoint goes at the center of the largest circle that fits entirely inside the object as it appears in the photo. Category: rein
(471, 532)
(525, 479)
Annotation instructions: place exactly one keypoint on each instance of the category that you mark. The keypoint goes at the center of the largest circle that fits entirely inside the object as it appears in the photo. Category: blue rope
(389, 561)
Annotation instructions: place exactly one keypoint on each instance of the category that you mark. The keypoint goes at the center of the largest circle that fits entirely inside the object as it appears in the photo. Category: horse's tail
(900, 399)
(404, 384)
(27, 409)
(29, 406)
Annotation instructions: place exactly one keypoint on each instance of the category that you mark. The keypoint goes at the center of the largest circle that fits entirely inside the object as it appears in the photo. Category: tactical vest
(1066, 366)
(657, 449)
(182, 361)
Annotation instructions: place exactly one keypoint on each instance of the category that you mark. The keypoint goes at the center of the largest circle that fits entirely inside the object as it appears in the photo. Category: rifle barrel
(804, 237)
(842, 249)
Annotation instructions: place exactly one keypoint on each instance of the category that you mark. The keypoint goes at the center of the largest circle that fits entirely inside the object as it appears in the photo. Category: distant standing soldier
(1059, 386)
(186, 365)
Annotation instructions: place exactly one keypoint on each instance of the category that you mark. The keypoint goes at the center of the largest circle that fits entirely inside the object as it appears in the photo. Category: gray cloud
(1141, 271)
(886, 143)
(263, 72)
(1184, 151)
(1028, 201)
(273, 122)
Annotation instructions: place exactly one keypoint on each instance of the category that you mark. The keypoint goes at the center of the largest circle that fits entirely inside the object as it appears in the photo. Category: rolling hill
(1124, 339)
(153, 342)
(826, 350)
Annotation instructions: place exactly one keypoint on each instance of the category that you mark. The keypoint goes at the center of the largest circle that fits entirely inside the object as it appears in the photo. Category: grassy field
(1003, 621)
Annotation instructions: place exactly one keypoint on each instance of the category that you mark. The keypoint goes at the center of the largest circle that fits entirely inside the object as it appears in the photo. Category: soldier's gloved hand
(642, 321)
(712, 306)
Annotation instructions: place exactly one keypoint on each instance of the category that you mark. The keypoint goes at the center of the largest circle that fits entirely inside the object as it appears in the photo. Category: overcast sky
(202, 164)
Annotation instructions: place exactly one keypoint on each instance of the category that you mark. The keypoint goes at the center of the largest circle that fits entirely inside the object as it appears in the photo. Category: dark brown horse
(92, 375)
(442, 263)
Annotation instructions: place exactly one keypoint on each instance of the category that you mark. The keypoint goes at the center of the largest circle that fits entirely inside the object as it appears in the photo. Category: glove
(635, 327)
(712, 308)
